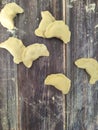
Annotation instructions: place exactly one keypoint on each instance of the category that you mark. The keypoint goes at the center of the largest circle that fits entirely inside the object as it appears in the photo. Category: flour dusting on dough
(73, 0)
(96, 26)
(90, 7)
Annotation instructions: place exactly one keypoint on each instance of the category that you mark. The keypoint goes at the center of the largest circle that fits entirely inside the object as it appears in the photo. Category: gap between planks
(64, 63)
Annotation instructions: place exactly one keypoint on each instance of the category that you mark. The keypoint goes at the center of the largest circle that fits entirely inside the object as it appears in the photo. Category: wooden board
(82, 101)
(25, 102)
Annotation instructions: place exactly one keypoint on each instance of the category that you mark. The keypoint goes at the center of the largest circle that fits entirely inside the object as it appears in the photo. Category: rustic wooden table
(25, 103)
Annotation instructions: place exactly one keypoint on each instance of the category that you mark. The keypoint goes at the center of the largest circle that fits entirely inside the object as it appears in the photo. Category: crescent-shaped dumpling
(59, 81)
(33, 52)
(15, 47)
(47, 18)
(91, 67)
(59, 30)
(8, 13)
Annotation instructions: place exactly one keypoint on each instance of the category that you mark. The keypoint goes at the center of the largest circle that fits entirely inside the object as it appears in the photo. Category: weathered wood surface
(38, 110)
(25, 103)
(8, 86)
(82, 101)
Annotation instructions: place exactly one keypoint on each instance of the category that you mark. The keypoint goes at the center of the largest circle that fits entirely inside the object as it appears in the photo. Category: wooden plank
(82, 101)
(8, 85)
(40, 107)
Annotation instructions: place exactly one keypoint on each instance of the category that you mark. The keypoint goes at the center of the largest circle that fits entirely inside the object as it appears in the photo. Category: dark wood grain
(82, 101)
(8, 85)
(40, 107)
